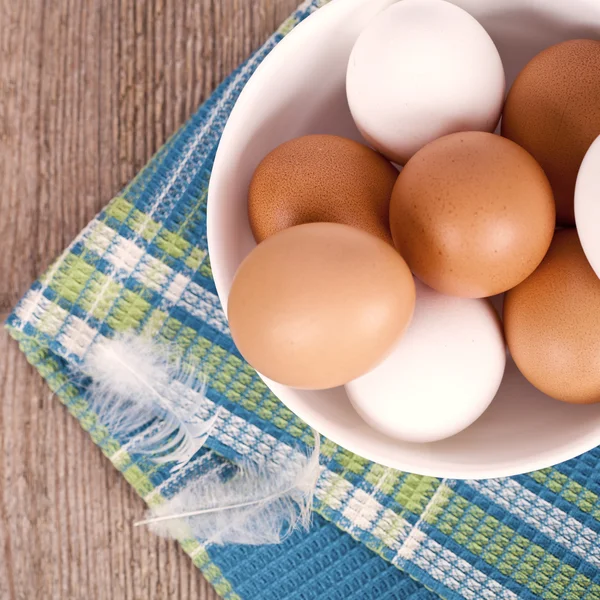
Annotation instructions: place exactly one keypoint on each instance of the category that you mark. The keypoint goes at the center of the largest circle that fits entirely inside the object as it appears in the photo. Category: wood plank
(89, 90)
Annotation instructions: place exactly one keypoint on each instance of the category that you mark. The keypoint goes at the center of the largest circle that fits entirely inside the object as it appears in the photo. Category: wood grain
(89, 90)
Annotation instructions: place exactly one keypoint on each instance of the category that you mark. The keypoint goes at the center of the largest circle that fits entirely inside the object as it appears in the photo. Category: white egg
(420, 70)
(587, 205)
(441, 376)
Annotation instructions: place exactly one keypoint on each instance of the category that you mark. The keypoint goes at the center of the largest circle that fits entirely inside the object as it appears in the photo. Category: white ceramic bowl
(300, 89)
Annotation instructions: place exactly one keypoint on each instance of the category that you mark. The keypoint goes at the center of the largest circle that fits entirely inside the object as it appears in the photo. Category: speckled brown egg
(472, 214)
(317, 305)
(553, 111)
(552, 323)
(321, 178)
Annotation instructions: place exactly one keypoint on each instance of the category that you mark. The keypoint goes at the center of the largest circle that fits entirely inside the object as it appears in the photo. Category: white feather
(260, 504)
(138, 390)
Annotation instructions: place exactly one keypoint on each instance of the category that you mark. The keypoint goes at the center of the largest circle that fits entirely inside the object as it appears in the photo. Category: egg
(553, 111)
(552, 324)
(321, 178)
(472, 214)
(441, 376)
(422, 69)
(319, 304)
(587, 206)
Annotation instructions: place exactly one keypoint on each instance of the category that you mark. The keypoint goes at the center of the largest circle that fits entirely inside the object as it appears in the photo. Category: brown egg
(319, 178)
(320, 304)
(472, 214)
(552, 323)
(553, 111)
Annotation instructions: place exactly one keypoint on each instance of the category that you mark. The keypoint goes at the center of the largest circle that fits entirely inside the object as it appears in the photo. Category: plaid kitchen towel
(142, 265)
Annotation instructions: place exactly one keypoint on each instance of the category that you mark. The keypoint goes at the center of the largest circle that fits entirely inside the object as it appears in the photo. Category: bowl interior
(300, 89)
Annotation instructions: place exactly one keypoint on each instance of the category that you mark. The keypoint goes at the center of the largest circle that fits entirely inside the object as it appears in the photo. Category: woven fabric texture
(142, 265)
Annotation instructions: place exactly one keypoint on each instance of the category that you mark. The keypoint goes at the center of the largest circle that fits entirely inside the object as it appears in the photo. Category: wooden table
(89, 89)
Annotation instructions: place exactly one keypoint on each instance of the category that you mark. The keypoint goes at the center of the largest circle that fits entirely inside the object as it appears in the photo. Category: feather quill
(138, 391)
(260, 504)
